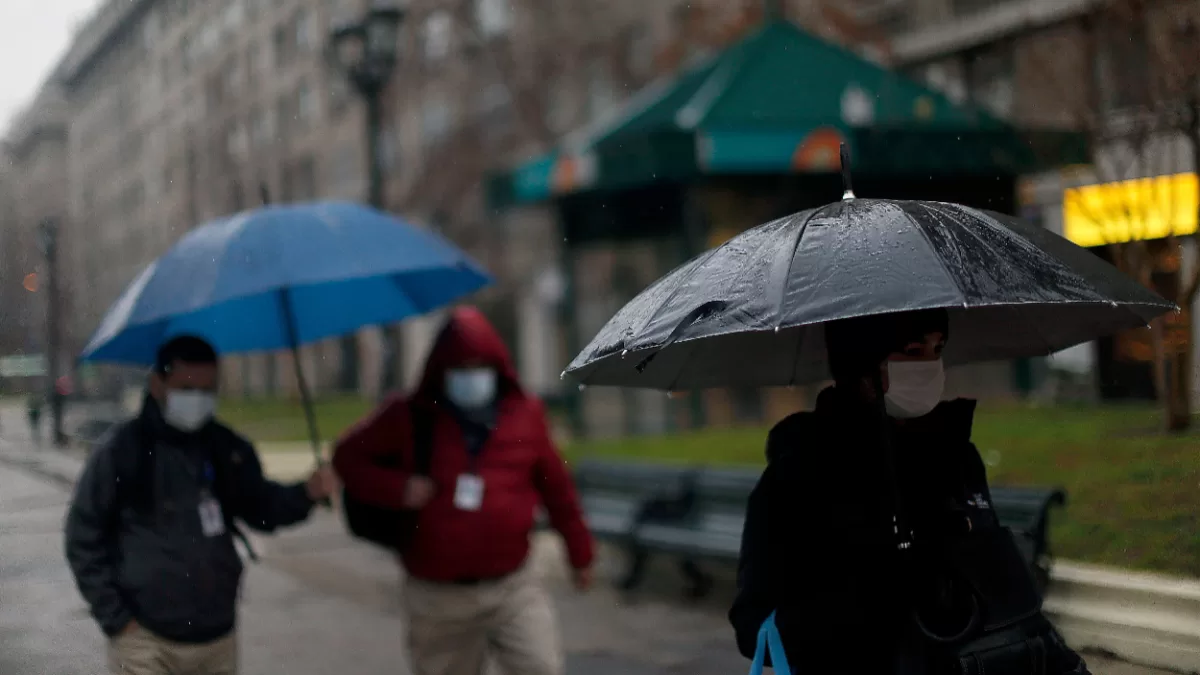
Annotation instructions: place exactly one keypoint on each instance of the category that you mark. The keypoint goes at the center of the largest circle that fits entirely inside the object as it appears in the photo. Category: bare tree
(1139, 71)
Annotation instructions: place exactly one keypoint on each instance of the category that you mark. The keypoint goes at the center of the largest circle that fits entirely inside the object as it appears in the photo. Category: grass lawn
(282, 420)
(1133, 493)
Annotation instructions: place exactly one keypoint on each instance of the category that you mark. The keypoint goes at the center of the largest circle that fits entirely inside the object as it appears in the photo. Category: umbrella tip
(847, 184)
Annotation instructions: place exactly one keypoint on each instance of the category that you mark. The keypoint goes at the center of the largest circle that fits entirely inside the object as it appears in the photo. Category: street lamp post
(48, 238)
(366, 52)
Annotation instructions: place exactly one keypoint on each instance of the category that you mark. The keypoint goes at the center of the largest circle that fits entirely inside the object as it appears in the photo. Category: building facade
(179, 111)
(32, 196)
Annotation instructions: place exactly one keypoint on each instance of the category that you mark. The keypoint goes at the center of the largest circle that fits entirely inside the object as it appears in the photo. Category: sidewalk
(321, 602)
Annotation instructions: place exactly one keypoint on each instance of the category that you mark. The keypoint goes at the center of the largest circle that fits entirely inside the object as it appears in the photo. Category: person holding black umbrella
(870, 543)
(817, 549)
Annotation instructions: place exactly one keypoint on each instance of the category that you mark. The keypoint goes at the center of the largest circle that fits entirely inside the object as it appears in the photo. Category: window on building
(1122, 61)
(261, 57)
(990, 78)
(601, 93)
(342, 12)
(285, 114)
(494, 17)
(435, 119)
(306, 30)
(151, 30)
(346, 170)
(389, 149)
(640, 51)
(262, 129)
(235, 140)
(339, 95)
(234, 14)
(495, 111)
(306, 104)
(235, 78)
(436, 34)
(280, 46)
(962, 8)
(560, 108)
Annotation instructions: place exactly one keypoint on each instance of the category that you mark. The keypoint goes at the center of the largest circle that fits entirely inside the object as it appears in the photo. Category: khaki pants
(454, 630)
(141, 652)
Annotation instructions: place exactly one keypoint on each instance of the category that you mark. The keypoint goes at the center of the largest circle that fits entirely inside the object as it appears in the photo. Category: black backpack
(392, 529)
(134, 459)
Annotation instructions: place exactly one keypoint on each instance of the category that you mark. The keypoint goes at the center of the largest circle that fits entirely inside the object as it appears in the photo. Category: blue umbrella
(279, 277)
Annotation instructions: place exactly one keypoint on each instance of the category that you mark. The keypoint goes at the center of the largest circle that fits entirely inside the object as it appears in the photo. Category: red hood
(466, 338)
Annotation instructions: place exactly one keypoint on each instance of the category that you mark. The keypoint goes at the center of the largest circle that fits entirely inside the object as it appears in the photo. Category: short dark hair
(185, 348)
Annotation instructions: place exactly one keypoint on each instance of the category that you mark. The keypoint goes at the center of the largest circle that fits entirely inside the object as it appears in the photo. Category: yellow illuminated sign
(1132, 210)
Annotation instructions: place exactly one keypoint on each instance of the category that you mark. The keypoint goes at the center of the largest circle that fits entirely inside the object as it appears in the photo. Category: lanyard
(208, 476)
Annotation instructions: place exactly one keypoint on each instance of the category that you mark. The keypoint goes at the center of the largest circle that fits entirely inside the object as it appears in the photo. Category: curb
(1142, 618)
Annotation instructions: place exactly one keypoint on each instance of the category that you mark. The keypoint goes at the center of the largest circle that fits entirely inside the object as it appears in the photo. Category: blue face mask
(471, 388)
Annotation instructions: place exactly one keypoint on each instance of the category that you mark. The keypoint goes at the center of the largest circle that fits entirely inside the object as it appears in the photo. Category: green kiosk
(742, 137)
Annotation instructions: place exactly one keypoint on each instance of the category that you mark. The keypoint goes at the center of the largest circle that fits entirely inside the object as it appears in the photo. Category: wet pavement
(320, 603)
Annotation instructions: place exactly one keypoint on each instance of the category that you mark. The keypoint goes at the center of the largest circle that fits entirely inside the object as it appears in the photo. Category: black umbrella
(749, 312)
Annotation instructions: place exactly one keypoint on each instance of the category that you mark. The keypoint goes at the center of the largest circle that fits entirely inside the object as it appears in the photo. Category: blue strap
(770, 642)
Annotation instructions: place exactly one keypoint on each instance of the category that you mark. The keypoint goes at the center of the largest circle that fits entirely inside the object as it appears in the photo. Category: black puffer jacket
(818, 548)
(152, 563)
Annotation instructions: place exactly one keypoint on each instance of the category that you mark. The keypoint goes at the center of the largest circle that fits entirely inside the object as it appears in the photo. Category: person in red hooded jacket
(470, 594)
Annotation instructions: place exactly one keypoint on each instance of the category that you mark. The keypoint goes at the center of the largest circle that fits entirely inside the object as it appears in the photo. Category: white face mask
(914, 388)
(471, 388)
(188, 411)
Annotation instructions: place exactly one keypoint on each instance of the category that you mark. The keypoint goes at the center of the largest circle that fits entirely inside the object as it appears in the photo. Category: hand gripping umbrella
(280, 277)
(750, 312)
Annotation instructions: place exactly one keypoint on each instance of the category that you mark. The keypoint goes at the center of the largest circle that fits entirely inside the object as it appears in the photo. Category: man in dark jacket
(820, 547)
(149, 536)
(470, 592)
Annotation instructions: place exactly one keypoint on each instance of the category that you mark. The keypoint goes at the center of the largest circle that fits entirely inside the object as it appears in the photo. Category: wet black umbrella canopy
(751, 311)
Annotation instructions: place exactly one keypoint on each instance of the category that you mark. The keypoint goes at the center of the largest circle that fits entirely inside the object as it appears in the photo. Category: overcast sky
(33, 34)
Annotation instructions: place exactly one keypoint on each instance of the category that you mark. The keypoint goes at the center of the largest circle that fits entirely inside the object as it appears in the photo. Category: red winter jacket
(519, 465)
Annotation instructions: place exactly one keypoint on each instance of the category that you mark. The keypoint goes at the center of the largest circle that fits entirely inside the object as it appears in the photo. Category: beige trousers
(455, 630)
(140, 652)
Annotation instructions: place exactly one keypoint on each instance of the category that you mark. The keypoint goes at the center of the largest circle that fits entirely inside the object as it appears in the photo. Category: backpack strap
(422, 438)
(134, 459)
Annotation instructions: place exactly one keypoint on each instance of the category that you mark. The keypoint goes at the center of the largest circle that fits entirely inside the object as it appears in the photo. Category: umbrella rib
(937, 256)
(783, 284)
(680, 284)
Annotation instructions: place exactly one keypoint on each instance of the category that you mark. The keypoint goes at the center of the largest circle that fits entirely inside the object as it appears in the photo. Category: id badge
(468, 493)
(212, 520)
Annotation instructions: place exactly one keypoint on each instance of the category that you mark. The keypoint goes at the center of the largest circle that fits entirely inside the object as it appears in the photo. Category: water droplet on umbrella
(624, 352)
(1112, 303)
(776, 329)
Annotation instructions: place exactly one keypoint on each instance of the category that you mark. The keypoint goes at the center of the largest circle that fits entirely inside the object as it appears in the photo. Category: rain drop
(582, 387)
(562, 375)
(776, 329)
(1112, 303)
(1178, 309)
(624, 352)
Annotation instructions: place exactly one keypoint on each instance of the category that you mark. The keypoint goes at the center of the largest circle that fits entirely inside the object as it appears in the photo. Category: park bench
(1026, 511)
(619, 497)
(696, 515)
